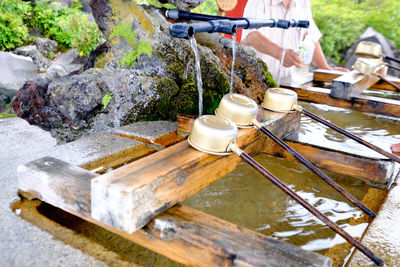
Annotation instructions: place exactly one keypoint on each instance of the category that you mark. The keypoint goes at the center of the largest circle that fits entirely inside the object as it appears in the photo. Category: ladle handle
(389, 82)
(350, 135)
(393, 67)
(318, 172)
(393, 59)
(311, 209)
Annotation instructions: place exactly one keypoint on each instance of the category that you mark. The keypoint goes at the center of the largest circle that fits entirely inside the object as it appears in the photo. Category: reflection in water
(379, 130)
(246, 198)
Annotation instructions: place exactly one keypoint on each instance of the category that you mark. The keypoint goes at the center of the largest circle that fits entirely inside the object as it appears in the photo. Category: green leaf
(106, 100)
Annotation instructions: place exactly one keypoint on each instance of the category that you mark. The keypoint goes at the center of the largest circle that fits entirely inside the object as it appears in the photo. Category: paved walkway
(23, 244)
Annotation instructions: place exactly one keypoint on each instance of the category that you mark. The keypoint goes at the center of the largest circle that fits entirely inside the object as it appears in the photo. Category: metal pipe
(318, 172)
(176, 14)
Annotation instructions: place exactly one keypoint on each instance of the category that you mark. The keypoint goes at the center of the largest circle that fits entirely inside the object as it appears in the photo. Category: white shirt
(286, 38)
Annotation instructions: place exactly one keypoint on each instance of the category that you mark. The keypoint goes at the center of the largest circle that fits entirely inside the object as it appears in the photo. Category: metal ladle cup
(367, 49)
(369, 67)
(288, 101)
(209, 129)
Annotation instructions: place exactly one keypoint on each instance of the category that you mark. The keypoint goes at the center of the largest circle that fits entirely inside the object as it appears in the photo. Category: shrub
(13, 31)
(342, 21)
(67, 25)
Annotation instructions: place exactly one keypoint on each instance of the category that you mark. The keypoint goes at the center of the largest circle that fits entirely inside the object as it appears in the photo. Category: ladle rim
(280, 111)
(207, 151)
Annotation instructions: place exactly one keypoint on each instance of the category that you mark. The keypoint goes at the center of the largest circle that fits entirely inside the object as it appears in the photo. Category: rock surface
(14, 72)
(185, 5)
(159, 84)
(33, 52)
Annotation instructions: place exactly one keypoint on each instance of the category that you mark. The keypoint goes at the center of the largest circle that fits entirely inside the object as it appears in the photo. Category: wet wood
(370, 104)
(181, 233)
(58, 183)
(327, 76)
(377, 172)
(353, 83)
(127, 198)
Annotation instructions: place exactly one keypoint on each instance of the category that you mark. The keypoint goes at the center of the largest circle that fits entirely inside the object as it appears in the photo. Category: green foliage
(123, 30)
(106, 100)
(342, 21)
(67, 25)
(13, 31)
(209, 7)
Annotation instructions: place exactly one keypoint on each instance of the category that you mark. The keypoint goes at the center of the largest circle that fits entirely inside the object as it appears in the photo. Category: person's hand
(340, 69)
(291, 59)
(395, 148)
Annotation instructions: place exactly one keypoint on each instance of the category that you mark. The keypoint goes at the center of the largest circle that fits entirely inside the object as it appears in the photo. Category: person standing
(273, 44)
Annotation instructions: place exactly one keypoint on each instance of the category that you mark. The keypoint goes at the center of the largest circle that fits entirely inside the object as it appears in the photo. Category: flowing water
(280, 67)
(193, 44)
(233, 60)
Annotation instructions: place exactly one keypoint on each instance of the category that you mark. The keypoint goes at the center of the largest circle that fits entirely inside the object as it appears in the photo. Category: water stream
(233, 60)
(193, 44)
(280, 67)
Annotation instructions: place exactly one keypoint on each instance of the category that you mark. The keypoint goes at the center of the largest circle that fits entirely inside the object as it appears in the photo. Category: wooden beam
(377, 172)
(326, 76)
(127, 198)
(371, 104)
(181, 233)
(353, 83)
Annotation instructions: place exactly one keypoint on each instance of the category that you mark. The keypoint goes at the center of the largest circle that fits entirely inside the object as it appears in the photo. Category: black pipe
(185, 30)
(249, 160)
(391, 66)
(318, 172)
(176, 14)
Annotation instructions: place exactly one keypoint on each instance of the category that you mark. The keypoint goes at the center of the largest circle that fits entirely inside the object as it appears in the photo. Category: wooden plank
(379, 173)
(371, 104)
(127, 198)
(181, 233)
(353, 83)
(326, 76)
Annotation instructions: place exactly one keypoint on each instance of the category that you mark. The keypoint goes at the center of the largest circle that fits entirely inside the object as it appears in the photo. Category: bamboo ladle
(215, 135)
(285, 100)
(242, 110)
